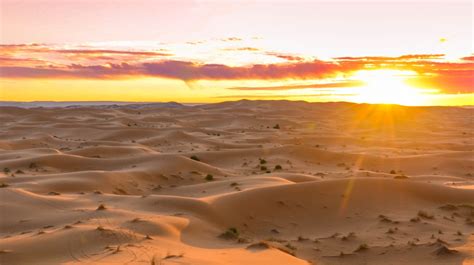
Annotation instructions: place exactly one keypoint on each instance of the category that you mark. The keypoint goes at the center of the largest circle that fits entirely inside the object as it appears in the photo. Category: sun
(387, 87)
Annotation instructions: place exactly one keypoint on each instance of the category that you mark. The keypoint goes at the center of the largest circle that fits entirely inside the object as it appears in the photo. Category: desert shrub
(362, 247)
(425, 215)
(101, 207)
(449, 207)
(231, 233)
(290, 246)
(209, 177)
(193, 157)
(384, 219)
(400, 177)
(469, 221)
(259, 245)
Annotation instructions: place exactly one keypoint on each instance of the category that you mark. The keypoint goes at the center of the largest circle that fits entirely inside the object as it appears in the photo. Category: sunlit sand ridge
(245, 182)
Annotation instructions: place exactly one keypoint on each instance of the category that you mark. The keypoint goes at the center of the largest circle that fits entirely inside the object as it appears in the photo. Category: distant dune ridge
(95, 104)
(243, 182)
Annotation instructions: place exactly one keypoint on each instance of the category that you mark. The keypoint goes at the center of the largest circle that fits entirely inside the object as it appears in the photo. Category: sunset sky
(405, 52)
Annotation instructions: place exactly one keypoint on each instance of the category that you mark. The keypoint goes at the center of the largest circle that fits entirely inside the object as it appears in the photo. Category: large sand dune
(246, 182)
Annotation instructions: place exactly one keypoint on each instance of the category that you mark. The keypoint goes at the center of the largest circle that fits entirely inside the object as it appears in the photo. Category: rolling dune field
(244, 182)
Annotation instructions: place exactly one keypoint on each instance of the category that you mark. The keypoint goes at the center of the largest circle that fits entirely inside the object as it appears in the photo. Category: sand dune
(246, 182)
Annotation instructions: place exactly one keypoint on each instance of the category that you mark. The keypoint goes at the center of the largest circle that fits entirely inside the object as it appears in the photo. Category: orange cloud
(449, 81)
(468, 58)
(12, 53)
(194, 71)
(22, 61)
(45, 61)
(182, 70)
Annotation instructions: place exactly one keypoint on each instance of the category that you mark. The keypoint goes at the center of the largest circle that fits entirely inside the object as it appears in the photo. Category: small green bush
(425, 215)
(230, 233)
(193, 157)
(362, 247)
(209, 177)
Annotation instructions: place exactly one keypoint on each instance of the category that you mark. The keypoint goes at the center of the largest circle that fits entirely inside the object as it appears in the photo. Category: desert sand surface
(245, 182)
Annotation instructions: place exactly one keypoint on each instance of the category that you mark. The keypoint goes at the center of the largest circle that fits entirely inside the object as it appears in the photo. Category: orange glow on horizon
(159, 90)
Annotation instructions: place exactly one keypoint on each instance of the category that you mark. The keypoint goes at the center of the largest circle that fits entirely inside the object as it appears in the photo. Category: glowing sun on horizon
(387, 87)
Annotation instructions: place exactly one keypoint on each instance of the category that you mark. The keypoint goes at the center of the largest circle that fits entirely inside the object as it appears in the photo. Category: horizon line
(111, 102)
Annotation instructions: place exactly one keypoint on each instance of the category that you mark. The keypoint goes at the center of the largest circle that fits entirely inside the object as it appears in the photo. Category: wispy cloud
(116, 52)
(396, 58)
(283, 96)
(245, 49)
(353, 83)
(232, 39)
(287, 57)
